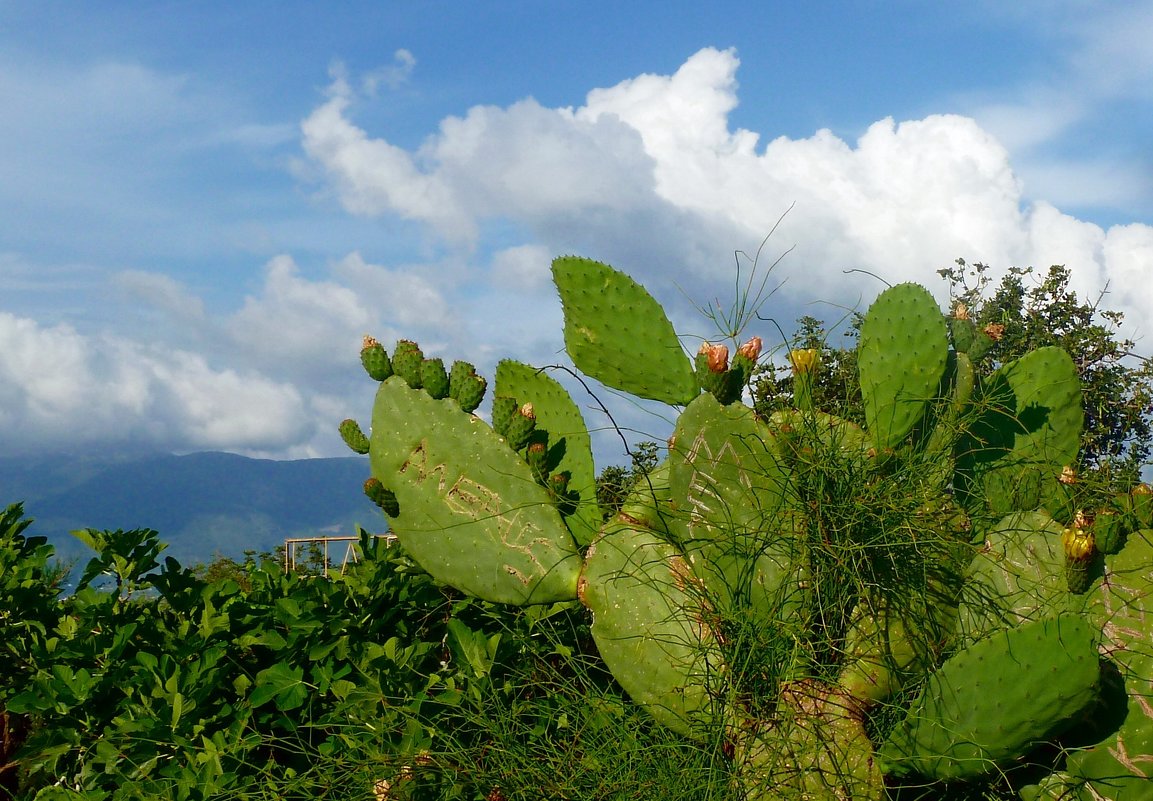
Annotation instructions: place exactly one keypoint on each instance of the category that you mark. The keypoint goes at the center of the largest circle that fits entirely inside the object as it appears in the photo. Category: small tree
(615, 481)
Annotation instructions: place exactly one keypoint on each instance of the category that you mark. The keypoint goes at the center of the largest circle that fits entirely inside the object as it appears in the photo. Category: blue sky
(203, 206)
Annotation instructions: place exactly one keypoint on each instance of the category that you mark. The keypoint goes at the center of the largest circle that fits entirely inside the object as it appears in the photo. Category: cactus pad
(729, 484)
(991, 703)
(648, 626)
(617, 333)
(570, 447)
(1121, 767)
(470, 512)
(816, 749)
(901, 357)
(1018, 574)
(1031, 420)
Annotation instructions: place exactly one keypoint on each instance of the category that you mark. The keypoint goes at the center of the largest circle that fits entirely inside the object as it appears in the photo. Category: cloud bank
(652, 165)
(648, 174)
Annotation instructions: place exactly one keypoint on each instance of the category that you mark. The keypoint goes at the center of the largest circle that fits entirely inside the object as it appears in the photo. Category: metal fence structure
(351, 553)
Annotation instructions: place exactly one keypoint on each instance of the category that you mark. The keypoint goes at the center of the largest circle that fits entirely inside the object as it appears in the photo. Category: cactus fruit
(970, 340)
(989, 704)
(712, 365)
(962, 328)
(465, 386)
(375, 360)
(407, 362)
(520, 427)
(504, 408)
(1080, 548)
(536, 454)
(353, 437)
(433, 378)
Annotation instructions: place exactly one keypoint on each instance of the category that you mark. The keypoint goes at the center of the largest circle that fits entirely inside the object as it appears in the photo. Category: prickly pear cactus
(736, 514)
(1027, 431)
(1017, 575)
(915, 571)
(568, 447)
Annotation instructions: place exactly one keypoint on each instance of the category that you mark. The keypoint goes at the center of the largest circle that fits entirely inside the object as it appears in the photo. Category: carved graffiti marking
(703, 497)
(467, 497)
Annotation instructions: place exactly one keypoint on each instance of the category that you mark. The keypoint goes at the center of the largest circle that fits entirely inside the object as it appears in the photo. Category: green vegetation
(914, 569)
(793, 588)
(163, 684)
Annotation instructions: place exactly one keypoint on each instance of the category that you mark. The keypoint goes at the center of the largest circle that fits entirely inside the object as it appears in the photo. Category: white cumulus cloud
(650, 174)
(61, 388)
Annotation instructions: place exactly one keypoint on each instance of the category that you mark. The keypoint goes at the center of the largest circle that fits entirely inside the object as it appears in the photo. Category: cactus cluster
(919, 599)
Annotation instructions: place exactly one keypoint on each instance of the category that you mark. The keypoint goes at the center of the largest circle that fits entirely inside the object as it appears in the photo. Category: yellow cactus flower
(805, 360)
(1079, 544)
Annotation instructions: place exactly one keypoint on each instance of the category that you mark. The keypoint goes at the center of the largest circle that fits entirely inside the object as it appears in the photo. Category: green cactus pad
(570, 448)
(892, 640)
(617, 333)
(471, 513)
(649, 503)
(1018, 574)
(1031, 420)
(805, 439)
(647, 625)
(1121, 767)
(816, 749)
(991, 703)
(902, 353)
(730, 489)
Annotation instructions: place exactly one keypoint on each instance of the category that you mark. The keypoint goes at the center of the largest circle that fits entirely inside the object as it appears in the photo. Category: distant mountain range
(202, 504)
